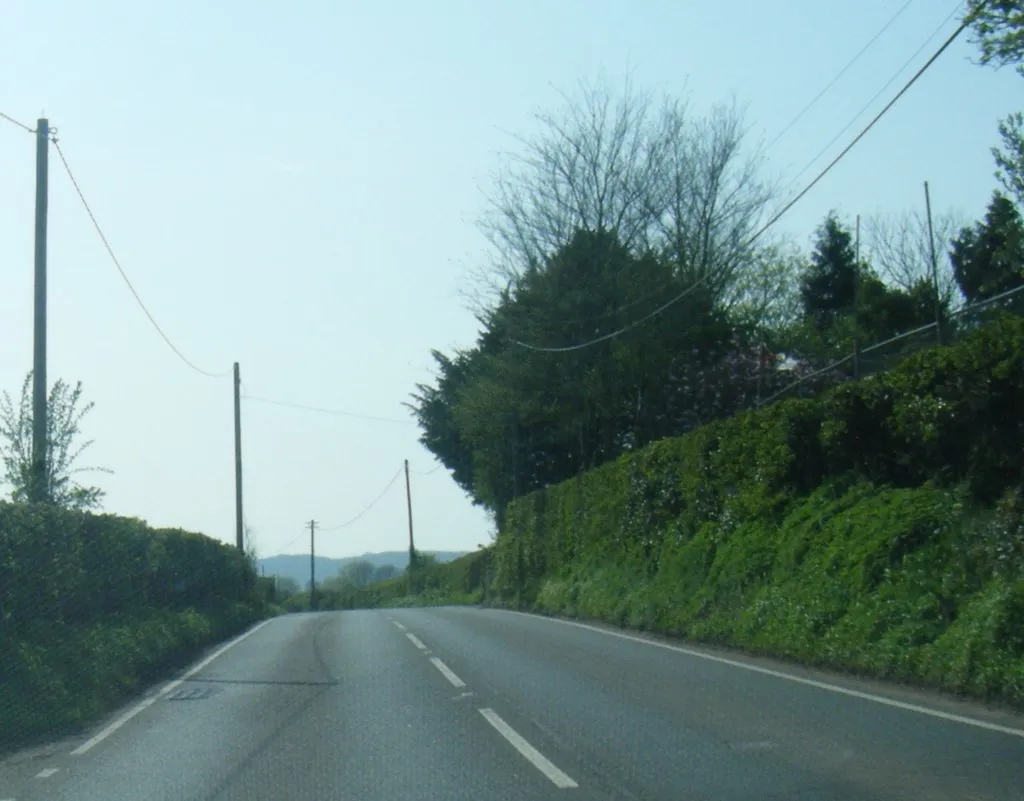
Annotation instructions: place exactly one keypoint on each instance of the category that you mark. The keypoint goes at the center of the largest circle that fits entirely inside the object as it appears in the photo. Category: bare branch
(898, 246)
(594, 165)
(624, 162)
(715, 197)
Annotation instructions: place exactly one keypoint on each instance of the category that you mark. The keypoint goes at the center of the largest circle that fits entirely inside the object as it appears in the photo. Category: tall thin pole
(40, 491)
(856, 305)
(312, 565)
(935, 265)
(520, 563)
(408, 508)
(239, 529)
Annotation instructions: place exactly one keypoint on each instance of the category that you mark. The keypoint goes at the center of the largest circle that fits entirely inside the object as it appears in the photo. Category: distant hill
(296, 566)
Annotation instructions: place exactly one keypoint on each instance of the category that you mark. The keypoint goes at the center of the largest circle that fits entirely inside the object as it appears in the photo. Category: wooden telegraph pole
(39, 490)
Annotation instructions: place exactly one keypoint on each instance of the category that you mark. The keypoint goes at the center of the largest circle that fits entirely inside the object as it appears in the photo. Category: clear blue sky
(293, 186)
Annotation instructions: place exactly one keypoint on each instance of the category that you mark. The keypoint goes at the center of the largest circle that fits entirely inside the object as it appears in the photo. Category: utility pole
(520, 561)
(856, 306)
(935, 266)
(40, 490)
(412, 546)
(312, 565)
(239, 531)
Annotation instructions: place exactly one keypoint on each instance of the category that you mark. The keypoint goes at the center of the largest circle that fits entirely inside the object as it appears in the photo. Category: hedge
(93, 606)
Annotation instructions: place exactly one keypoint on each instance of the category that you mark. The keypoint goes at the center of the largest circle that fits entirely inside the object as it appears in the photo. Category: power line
(16, 122)
(366, 509)
(372, 503)
(840, 74)
(906, 87)
(426, 472)
(782, 133)
(127, 281)
(877, 95)
(321, 410)
(619, 331)
(778, 215)
(290, 544)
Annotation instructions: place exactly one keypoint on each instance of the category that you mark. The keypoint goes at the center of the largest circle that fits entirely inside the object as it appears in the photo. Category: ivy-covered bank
(877, 528)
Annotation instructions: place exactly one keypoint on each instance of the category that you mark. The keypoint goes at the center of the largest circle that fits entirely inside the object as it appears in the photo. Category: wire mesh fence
(887, 354)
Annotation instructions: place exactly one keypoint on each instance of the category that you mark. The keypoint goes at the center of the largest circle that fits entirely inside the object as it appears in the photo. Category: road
(452, 704)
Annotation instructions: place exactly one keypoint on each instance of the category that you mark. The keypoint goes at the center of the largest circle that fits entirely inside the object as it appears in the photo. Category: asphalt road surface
(452, 704)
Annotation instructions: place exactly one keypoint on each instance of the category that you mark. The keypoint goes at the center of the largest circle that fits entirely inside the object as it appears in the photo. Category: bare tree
(900, 249)
(629, 163)
(713, 197)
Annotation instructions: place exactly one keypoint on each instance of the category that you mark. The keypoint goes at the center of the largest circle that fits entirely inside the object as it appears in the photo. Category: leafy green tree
(829, 284)
(1010, 157)
(766, 295)
(988, 258)
(885, 311)
(999, 31)
(65, 413)
(357, 573)
(434, 409)
(512, 419)
(384, 572)
(618, 210)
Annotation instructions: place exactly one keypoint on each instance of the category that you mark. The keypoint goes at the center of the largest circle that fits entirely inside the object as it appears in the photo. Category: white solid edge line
(537, 759)
(46, 773)
(416, 641)
(447, 672)
(821, 685)
(398, 625)
(148, 702)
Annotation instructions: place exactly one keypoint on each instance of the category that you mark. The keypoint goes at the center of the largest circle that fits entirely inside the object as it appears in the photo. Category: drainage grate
(189, 694)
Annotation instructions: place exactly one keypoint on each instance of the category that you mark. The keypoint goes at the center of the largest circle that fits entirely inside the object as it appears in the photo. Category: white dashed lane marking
(447, 672)
(535, 757)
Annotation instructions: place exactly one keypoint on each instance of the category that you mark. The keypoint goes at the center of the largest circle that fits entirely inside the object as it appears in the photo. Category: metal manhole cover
(189, 694)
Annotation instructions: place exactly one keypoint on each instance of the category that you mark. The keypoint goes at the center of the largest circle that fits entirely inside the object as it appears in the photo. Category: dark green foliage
(829, 285)
(988, 258)
(1009, 157)
(94, 606)
(999, 31)
(507, 420)
(885, 311)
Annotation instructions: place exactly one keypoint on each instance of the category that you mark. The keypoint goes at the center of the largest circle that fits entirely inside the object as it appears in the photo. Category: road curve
(454, 703)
